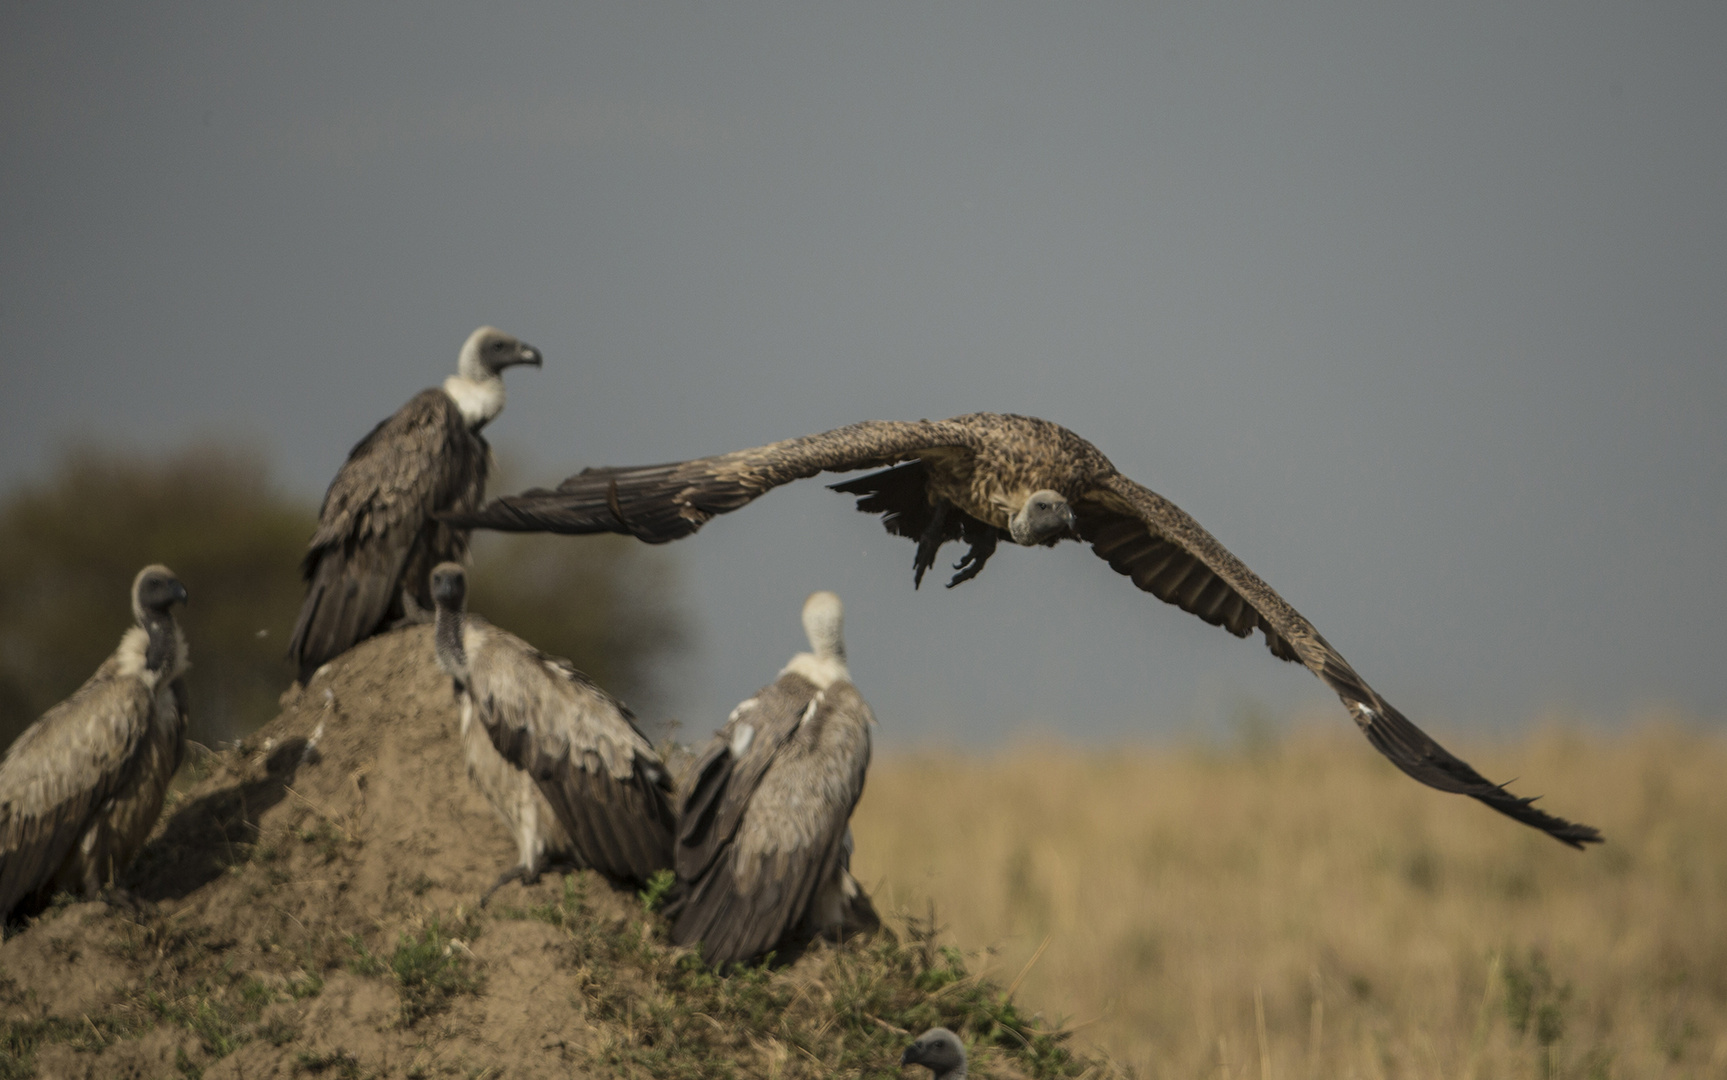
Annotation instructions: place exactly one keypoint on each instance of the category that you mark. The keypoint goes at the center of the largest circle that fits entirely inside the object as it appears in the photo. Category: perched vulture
(938, 1050)
(764, 842)
(367, 564)
(987, 477)
(608, 795)
(81, 788)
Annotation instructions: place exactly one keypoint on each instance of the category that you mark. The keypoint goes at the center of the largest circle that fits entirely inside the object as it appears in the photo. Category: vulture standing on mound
(376, 542)
(764, 844)
(987, 477)
(602, 792)
(80, 789)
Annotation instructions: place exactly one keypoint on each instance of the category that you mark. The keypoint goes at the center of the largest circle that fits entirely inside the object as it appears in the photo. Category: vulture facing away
(81, 788)
(764, 842)
(987, 477)
(367, 564)
(607, 793)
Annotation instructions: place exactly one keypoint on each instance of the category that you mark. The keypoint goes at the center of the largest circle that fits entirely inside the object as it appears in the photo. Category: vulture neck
(165, 651)
(448, 638)
(478, 399)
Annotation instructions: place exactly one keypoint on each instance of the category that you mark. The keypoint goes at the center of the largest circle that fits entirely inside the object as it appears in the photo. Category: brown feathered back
(377, 531)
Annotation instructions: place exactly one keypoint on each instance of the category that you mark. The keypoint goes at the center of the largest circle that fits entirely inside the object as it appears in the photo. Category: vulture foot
(930, 542)
(127, 901)
(515, 873)
(972, 564)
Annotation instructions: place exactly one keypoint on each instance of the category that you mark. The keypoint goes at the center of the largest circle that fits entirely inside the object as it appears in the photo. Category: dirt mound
(309, 908)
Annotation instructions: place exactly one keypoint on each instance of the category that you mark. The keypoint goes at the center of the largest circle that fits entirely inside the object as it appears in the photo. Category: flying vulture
(367, 564)
(764, 845)
(938, 1050)
(595, 771)
(987, 477)
(81, 788)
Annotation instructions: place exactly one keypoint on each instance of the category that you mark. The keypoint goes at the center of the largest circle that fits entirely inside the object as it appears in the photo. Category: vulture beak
(180, 593)
(528, 355)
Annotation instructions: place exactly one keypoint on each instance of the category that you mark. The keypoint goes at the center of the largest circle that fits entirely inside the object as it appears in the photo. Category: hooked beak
(528, 355)
(180, 593)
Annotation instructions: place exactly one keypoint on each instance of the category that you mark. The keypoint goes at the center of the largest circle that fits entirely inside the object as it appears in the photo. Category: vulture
(599, 790)
(377, 539)
(82, 786)
(938, 1050)
(764, 845)
(987, 477)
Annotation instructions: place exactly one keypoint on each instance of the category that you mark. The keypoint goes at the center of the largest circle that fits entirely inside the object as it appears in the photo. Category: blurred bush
(70, 545)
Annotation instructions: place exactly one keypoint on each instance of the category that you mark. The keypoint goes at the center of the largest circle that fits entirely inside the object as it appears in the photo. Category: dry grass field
(1301, 910)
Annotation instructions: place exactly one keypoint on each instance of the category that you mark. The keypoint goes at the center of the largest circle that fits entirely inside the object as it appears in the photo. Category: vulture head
(824, 619)
(1044, 519)
(154, 591)
(489, 351)
(938, 1050)
(450, 586)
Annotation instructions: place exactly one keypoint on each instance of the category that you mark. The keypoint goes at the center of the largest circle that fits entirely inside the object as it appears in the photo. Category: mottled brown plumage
(764, 845)
(594, 768)
(82, 786)
(377, 539)
(985, 477)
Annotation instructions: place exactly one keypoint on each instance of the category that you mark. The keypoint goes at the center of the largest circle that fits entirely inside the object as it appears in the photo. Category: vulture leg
(515, 873)
(930, 542)
(982, 547)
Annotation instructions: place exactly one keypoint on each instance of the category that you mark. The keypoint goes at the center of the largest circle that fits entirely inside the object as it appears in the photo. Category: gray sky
(1421, 309)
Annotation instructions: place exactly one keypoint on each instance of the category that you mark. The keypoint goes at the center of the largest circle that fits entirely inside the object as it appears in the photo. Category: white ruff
(478, 399)
(824, 671)
(130, 654)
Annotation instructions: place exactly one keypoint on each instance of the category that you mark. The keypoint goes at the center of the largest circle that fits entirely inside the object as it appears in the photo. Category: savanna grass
(1297, 908)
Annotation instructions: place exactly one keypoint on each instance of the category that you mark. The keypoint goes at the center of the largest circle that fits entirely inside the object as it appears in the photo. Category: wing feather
(60, 772)
(658, 503)
(376, 530)
(598, 771)
(755, 857)
(1167, 553)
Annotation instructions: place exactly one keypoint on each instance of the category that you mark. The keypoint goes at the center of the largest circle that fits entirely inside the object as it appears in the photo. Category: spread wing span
(1168, 554)
(657, 503)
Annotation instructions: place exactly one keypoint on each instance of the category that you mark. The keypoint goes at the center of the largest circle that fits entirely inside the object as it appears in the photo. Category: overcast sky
(1420, 308)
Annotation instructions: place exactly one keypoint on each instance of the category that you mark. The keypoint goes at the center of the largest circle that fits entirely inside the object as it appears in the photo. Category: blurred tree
(70, 546)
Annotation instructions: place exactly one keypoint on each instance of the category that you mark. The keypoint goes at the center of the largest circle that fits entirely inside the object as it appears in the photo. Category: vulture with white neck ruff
(987, 477)
(81, 788)
(764, 841)
(377, 538)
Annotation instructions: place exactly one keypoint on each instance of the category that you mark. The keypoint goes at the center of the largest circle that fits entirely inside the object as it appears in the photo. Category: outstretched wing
(1168, 554)
(581, 745)
(657, 503)
(60, 772)
(764, 822)
(376, 529)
